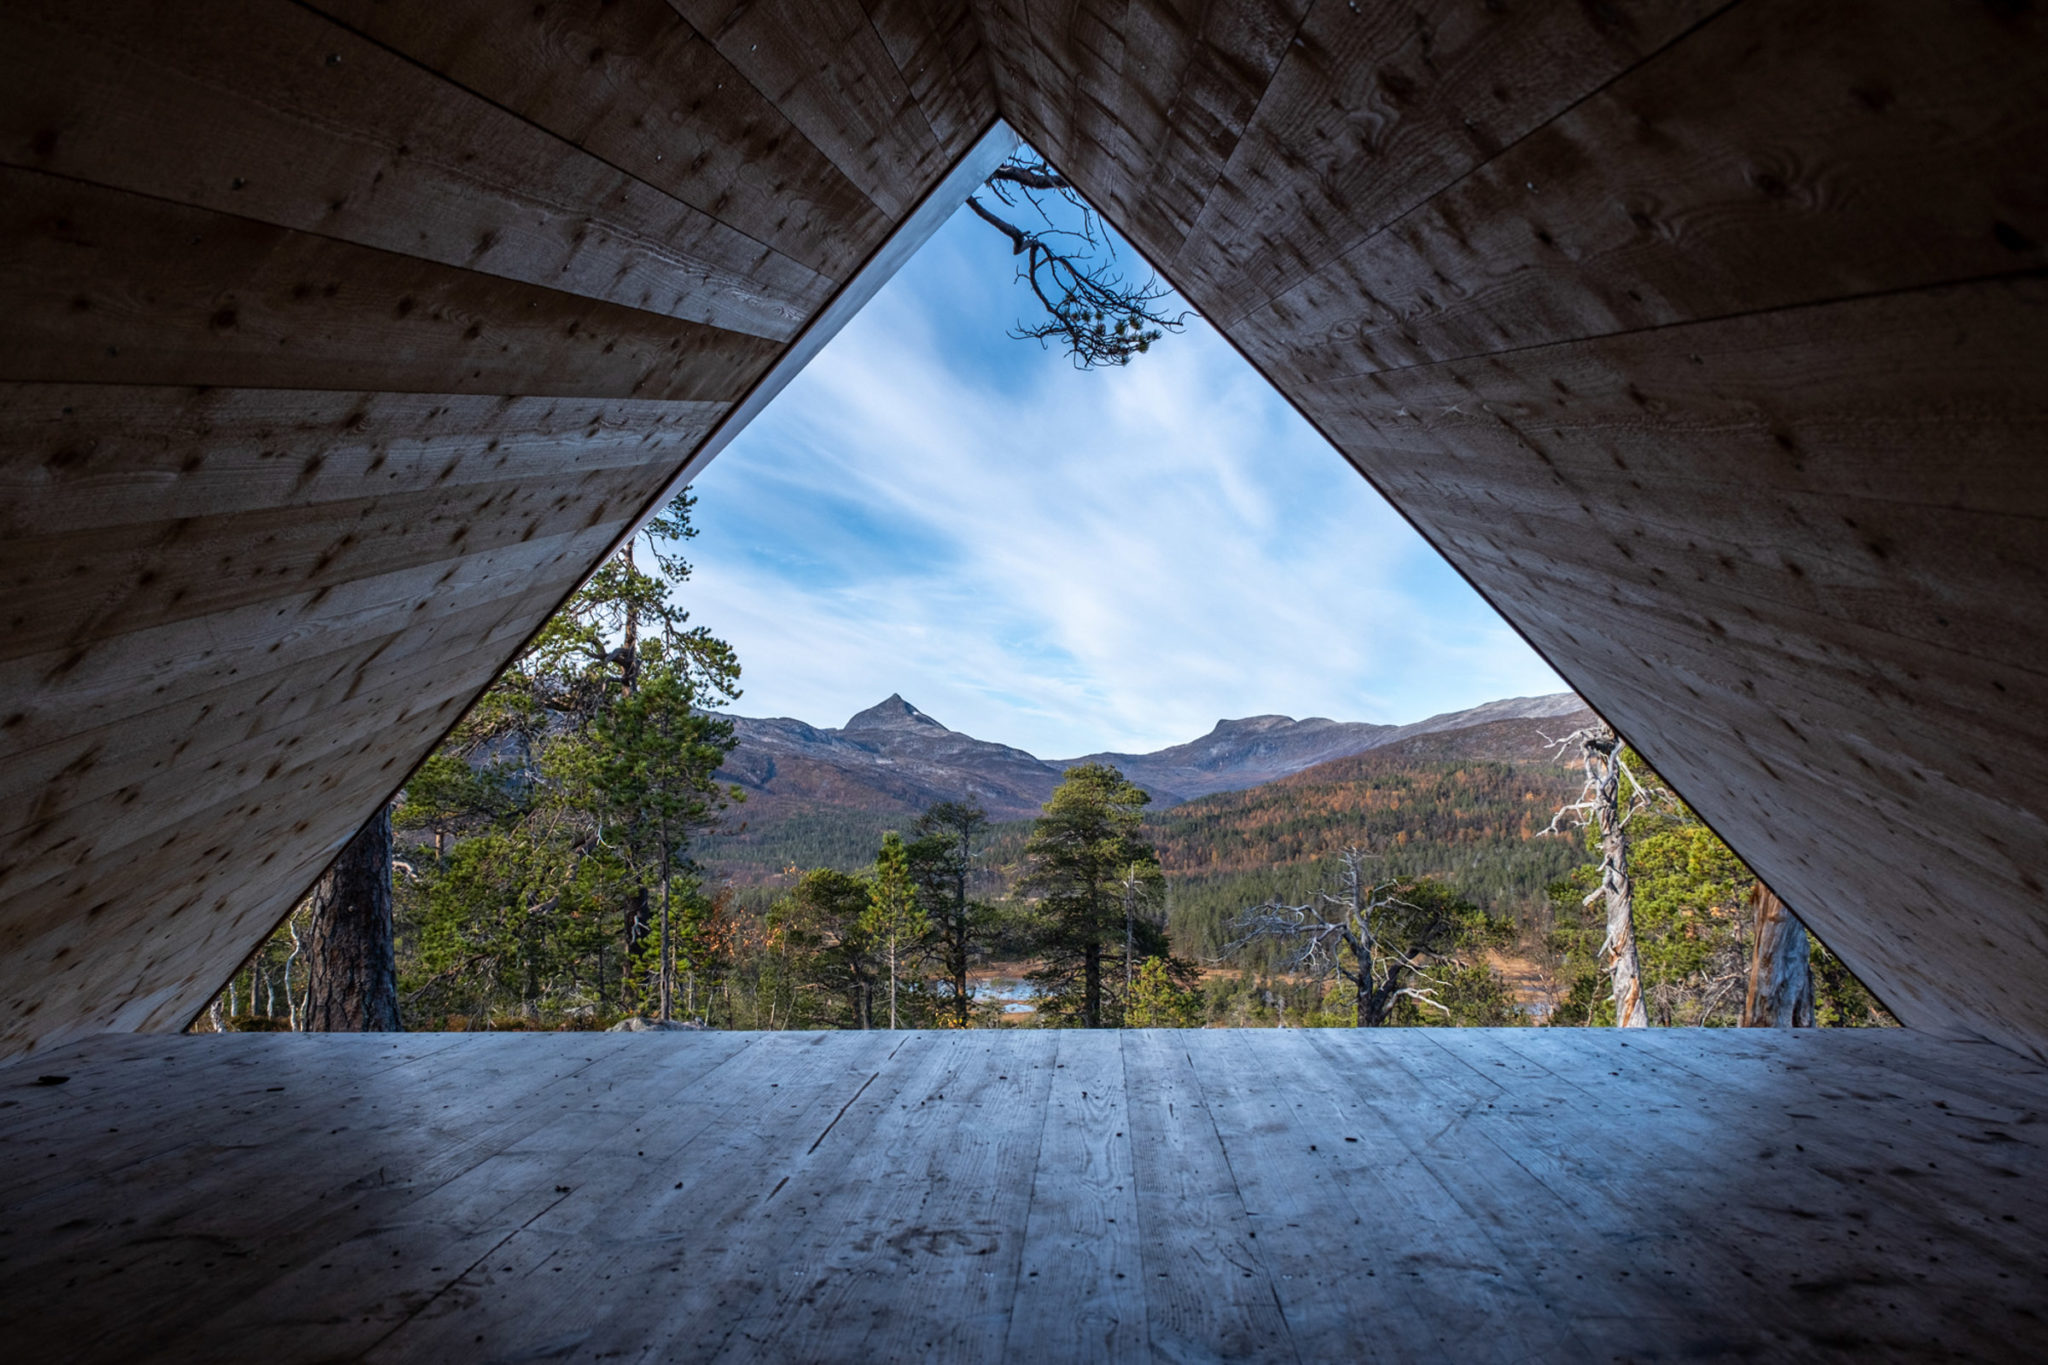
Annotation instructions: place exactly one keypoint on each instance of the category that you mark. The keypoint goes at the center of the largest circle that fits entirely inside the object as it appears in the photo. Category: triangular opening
(1155, 566)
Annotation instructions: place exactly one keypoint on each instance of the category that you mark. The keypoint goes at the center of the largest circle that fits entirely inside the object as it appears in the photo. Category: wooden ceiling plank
(1214, 88)
(113, 287)
(174, 661)
(204, 565)
(102, 455)
(1067, 54)
(821, 63)
(1801, 817)
(1751, 543)
(273, 113)
(936, 47)
(1379, 106)
(1776, 157)
(244, 722)
(1030, 88)
(631, 83)
(1922, 399)
(360, 747)
(262, 690)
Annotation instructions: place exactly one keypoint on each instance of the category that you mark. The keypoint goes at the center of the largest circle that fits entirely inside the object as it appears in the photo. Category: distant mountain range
(893, 758)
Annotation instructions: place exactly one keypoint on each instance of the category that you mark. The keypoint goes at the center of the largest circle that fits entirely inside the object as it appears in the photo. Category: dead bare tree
(1780, 968)
(1599, 751)
(1393, 941)
(1070, 264)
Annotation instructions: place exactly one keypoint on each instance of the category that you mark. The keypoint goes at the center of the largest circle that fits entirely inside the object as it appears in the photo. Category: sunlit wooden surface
(1022, 1196)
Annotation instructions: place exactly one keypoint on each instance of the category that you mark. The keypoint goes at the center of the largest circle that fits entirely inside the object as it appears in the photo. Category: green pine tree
(895, 920)
(1081, 852)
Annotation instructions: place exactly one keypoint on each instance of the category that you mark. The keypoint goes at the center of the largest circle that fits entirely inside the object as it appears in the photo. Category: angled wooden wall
(1709, 340)
(343, 339)
(1705, 336)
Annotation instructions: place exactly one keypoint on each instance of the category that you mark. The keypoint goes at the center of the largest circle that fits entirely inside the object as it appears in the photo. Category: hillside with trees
(594, 844)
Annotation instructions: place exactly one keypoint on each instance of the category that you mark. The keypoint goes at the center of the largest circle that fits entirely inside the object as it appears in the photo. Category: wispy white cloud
(1068, 562)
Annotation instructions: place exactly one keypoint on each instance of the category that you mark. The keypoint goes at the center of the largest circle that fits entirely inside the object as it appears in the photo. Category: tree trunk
(959, 945)
(1091, 986)
(351, 961)
(1619, 949)
(667, 963)
(1781, 971)
(632, 996)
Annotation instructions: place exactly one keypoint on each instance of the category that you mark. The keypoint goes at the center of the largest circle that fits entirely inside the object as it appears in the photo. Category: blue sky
(1068, 562)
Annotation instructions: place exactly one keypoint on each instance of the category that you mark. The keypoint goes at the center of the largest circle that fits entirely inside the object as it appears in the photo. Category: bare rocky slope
(893, 758)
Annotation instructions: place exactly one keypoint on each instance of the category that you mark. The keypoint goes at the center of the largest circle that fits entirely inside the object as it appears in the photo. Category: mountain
(1260, 749)
(889, 758)
(820, 796)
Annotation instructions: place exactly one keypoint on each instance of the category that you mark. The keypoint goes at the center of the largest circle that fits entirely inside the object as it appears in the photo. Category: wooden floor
(1025, 1196)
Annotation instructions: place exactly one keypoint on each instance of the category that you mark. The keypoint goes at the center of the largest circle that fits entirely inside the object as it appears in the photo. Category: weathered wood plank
(611, 1261)
(95, 455)
(633, 84)
(1082, 1289)
(602, 1160)
(941, 1190)
(299, 658)
(390, 1245)
(1777, 157)
(271, 112)
(1288, 1161)
(1512, 1194)
(938, 52)
(1453, 1214)
(1377, 108)
(823, 66)
(1593, 489)
(111, 287)
(1209, 1291)
(1743, 1154)
(194, 567)
(184, 865)
(779, 1219)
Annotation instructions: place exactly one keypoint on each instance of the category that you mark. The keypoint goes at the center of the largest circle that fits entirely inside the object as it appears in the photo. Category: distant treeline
(1472, 824)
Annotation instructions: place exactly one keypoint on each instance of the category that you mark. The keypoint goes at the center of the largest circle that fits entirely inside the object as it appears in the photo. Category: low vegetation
(560, 862)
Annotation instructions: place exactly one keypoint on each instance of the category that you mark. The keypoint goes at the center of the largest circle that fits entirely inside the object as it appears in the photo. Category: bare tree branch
(1392, 942)
(1098, 315)
(1600, 753)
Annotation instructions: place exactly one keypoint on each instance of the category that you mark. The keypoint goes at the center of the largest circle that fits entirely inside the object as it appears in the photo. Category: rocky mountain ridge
(894, 757)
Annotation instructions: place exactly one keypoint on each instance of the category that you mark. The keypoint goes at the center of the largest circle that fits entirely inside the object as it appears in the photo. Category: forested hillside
(1473, 824)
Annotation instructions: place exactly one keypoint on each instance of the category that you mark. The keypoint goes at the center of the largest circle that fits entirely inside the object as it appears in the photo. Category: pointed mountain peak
(893, 714)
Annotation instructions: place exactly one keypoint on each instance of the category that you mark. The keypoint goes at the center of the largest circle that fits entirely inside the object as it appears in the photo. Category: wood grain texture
(1824, 530)
(1287, 1194)
(1777, 157)
(274, 113)
(633, 84)
(343, 346)
(283, 591)
(113, 287)
(1377, 107)
(1704, 337)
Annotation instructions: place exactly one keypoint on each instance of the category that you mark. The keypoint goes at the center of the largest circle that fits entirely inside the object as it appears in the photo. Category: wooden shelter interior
(344, 337)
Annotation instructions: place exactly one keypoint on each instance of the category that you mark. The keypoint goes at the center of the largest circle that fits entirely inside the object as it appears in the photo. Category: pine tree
(1081, 851)
(895, 920)
(942, 861)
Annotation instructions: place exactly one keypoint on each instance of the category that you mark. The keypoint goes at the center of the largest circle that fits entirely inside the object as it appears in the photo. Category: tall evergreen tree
(942, 861)
(1076, 861)
(644, 771)
(895, 920)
